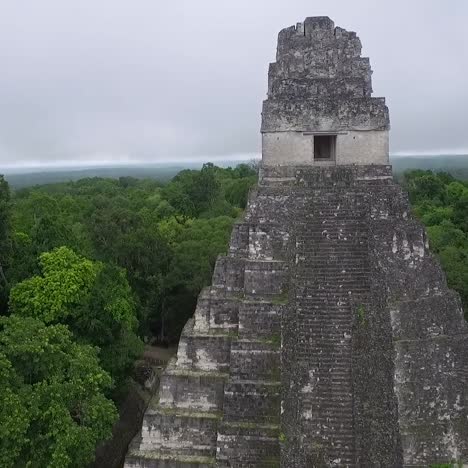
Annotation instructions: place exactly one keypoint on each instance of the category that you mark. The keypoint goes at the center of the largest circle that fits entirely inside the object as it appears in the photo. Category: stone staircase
(331, 275)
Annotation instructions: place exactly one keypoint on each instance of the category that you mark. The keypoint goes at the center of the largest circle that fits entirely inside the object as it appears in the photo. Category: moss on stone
(274, 340)
(280, 299)
(271, 462)
(361, 315)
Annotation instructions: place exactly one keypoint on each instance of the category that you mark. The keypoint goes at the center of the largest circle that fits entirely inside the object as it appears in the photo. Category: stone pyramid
(329, 337)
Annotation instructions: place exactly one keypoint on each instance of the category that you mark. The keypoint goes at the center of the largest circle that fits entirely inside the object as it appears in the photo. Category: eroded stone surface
(320, 85)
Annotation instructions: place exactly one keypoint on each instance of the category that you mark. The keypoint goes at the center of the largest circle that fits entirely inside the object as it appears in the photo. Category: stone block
(200, 391)
(141, 459)
(265, 278)
(257, 402)
(249, 444)
(224, 312)
(427, 317)
(260, 320)
(229, 273)
(210, 352)
(255, 360)
(180, 433)
(268, 242)
(239, 244)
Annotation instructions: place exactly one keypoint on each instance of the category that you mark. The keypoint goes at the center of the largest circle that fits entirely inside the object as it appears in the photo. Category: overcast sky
(151, 80)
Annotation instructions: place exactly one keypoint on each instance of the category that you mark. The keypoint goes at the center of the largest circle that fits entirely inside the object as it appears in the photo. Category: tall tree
(53, 410)
(92, 298)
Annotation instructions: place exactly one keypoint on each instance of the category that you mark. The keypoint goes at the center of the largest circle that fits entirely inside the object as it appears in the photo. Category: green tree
(441, 202)
(138, 225)
(192, 192)
(196, 249)
(92, 298)
(53, 410)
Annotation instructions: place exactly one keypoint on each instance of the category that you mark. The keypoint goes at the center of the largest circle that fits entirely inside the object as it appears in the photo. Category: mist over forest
(457, 165)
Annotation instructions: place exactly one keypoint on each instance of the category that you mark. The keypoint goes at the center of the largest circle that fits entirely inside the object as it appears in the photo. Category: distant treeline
(161, 172)
(455, 165)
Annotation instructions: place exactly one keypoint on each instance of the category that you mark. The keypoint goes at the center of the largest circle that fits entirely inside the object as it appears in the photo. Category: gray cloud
(150, 80)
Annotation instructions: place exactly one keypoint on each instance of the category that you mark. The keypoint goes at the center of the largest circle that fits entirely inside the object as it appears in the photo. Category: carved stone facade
(320, 88)
(329, 337)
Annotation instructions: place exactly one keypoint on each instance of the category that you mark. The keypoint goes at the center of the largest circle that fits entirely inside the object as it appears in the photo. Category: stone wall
(296, 148)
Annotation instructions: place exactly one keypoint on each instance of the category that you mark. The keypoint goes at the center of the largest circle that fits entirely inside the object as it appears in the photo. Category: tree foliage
(92, 298)
(89, 268)
(150, 230)
(441, 202)
(53, 410)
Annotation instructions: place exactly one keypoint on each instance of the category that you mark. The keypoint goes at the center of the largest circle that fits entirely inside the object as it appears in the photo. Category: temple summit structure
(329, 337)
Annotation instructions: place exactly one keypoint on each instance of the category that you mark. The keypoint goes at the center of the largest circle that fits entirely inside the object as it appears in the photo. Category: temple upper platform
(319, 109)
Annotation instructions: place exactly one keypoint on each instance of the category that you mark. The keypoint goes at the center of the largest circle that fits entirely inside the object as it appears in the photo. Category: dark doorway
(324, 147)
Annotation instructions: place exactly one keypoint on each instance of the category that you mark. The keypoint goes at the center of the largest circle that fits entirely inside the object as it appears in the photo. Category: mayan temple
(329, 337)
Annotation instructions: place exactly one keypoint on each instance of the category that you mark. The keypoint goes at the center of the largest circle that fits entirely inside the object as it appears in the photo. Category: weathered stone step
(332, 233)
(335, 322)
(321, 312)
(265, 278)
(335, 230)
(317, 316)
(259, 319)
(254, 401)
(327, 343)
(316, 335)
(333, 268)
(258, 360)
(329, 297)
(248, 444)
(310, 274)
(317, 362)
(181, 432)
(337, 406)
(317, 351)
(204, 352)
(216, 311)
(138, 459)
(326, 235)
(321, 405)
(321, 329)
(228, 274)
(201, 391)
(322, 339)
(346, 250)
(329, 366)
